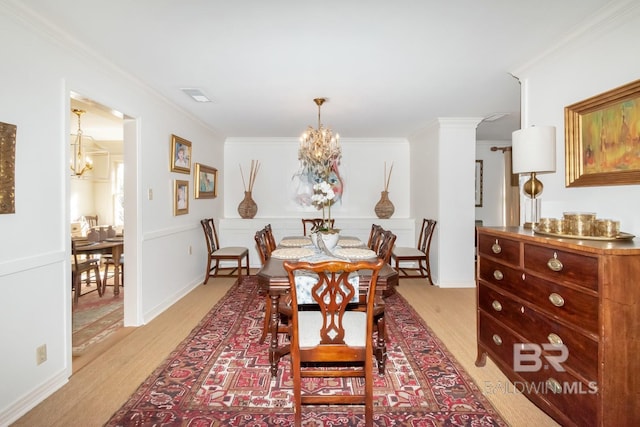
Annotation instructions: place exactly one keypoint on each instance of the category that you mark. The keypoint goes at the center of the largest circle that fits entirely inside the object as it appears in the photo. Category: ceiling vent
(196, 94)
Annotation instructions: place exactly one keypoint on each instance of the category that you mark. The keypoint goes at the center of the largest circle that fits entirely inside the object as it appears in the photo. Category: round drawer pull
(555, 339)
(496, 248)
(554, 263)
(497, 339)
(496, 305)
(556, 299)
(497, 274)
(554, 385)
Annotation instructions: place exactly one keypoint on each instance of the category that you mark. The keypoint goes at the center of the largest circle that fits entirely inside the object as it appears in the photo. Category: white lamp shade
(534, 149)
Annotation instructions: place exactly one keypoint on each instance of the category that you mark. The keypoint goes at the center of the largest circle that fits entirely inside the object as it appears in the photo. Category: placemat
(347, 242)
(297, 242)
(356, 253)
(292, 253)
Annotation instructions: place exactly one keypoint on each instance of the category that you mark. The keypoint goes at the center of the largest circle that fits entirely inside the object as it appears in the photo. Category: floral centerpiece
(323, 197)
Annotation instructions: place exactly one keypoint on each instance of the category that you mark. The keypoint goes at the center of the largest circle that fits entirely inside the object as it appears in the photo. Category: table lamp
(533, 152)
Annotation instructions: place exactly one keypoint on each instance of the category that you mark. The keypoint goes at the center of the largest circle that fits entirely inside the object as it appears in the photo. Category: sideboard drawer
(536, 328)
(563, 266)
(499, 274)
(576, 399)
(571, 306)
(507, 250)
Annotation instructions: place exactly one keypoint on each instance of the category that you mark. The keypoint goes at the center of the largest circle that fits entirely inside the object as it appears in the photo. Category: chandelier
(319, 150)
(79, 163)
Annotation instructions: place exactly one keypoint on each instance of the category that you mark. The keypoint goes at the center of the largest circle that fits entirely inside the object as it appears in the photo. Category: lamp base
(532, 208)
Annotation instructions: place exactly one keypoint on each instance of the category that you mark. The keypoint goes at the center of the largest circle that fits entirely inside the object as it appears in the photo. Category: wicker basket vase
(384, 208)
(247, 207)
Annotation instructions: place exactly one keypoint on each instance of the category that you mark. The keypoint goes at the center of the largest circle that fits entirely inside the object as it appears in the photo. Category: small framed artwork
(602, 134)
(479, 183)
(180, 197)
(180, 155)
(206, 181)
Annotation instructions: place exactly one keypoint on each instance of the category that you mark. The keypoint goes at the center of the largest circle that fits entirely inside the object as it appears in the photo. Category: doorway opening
(97, 213)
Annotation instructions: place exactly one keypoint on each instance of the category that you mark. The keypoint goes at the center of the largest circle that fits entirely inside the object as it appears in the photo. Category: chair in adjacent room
(216, 254)
(79, 267)
(330, 338)
(311, 224)
(91, 220)
(108, 262)
(419, 254)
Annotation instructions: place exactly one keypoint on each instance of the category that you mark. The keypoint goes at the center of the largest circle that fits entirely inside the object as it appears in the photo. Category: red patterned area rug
(219, 376)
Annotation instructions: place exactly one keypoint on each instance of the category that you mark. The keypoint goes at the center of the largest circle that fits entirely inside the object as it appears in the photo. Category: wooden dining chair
(382, 242)
(216, 254)
(374, 237)
(419, 254)
(330, 338)
(311, 224)
(265, 243)
(384, 247)
(79, 267)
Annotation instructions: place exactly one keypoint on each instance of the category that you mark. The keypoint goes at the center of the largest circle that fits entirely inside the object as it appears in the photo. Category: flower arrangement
(323, 197)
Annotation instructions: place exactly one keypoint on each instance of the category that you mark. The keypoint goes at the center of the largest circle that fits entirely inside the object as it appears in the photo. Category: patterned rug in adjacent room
(219, 376)
(95, 317)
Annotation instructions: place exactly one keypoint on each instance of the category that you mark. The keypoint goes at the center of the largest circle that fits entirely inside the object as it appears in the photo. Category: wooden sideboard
(561, 319)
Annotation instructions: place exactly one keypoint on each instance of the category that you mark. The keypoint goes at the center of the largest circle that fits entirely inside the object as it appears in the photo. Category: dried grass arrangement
(253, 172)
(387, 178)
(384, 208)
(248, 207)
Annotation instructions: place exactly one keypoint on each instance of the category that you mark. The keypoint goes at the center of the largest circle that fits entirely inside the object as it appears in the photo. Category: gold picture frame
(602, 136)
(180, 197)
(180, 160)
(8, 168)
(205, 181)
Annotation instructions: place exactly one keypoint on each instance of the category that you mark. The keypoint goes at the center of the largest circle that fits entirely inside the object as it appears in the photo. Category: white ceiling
(388, 67)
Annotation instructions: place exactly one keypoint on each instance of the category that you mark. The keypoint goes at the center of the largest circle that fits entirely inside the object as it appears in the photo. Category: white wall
(601, 58)
(39, 71)
(362, 170)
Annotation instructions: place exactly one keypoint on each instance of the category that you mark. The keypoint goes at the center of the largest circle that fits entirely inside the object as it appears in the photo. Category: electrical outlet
(41, 354)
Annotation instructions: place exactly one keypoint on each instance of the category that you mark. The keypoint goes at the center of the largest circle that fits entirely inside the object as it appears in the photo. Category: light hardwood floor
(104, 378)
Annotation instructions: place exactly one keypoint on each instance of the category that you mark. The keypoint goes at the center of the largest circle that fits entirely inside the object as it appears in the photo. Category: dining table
(274, 281)
(111, 245)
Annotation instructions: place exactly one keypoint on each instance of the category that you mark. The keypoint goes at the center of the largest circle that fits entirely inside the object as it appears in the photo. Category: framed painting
(180, 155)
(7, 168)
(180, 197)
(479, 183)
(206, 181)
(602, 137)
